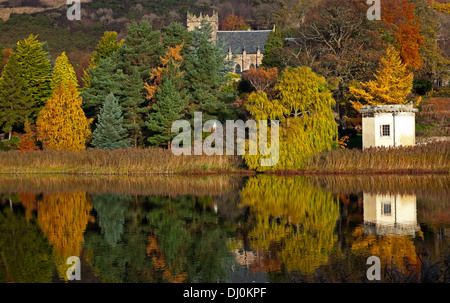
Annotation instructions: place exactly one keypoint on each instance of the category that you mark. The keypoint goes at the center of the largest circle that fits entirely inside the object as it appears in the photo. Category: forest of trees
(322, 63)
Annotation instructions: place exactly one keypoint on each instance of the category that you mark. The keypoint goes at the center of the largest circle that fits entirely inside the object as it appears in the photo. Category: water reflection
(390, 214)
(223, 229)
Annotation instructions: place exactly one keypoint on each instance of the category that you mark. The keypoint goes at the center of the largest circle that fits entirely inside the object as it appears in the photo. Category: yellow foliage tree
(304, 109)
(62, 123)
(63, 219)
(392, 84)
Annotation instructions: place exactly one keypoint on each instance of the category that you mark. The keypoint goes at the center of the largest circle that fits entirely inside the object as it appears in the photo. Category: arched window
(237, 69)
(252, 66)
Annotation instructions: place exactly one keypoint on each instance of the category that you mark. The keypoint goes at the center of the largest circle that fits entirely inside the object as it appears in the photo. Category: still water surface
(225, 229)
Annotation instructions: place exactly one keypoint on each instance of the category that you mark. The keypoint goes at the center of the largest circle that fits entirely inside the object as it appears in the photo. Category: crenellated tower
(194, 22)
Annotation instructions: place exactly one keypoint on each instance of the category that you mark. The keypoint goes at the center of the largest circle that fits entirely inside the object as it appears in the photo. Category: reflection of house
(244, 48)
(386, 214)
(388, 125)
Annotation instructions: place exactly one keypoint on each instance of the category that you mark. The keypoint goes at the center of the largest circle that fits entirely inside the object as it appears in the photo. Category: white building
(388, 125)
(390, 214)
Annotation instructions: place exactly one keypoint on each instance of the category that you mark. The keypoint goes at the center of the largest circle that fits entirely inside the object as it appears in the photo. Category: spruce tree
(110, 133)
(15, 99)
(127, 89)
(206, 73)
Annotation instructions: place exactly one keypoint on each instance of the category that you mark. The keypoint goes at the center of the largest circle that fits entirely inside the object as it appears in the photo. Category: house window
(385, 130)
(386, 209)
(237, 69)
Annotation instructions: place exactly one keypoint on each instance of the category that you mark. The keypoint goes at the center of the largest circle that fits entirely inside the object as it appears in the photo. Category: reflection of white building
(386, 214)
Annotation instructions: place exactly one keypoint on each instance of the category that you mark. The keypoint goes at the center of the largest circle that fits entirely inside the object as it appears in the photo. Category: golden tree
(392, 84)
(62, 123)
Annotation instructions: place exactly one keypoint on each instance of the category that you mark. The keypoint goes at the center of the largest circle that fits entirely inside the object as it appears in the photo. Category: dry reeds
(116, 162)
(433, 157)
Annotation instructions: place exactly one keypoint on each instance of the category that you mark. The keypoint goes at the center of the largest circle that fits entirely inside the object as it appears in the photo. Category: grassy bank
(116, 162)
(431, 158)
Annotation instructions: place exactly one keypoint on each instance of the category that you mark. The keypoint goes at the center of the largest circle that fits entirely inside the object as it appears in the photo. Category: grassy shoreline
(425, 159)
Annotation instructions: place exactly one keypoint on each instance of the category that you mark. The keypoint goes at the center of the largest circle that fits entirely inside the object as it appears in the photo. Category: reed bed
(116, 162)
(433, 158)
(429, 158)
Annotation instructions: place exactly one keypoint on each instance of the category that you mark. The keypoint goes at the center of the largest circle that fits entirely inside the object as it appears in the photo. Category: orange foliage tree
(399, 17)
(28, 140)
(262, 78)
(157, 73)
(233, 23)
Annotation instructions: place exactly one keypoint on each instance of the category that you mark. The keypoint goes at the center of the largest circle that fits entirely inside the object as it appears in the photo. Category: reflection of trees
(187, 239)
(293, 218)
(24, 250)
(395, 251)
(63, 219)
(110, 215)
(163, 240)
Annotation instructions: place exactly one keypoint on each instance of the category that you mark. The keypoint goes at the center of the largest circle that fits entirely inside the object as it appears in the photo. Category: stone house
(388, 125)
(244, 48)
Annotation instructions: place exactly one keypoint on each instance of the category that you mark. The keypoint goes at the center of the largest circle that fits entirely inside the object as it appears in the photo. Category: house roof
(391, 108)
(240, 40)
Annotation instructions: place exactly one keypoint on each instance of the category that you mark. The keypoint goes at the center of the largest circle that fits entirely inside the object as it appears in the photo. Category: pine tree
(62, 123)
(109, 132)
(392, 83)
(127, 89)
(206, 73)
(36, 72)
(15, 99)
(106, 47)
(171, 100)
(141, 49)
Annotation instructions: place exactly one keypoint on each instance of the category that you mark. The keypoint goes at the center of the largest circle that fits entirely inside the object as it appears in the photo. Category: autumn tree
(28, 140)
(392, 83)
(233, 23)
(337, 41)
(401, 21)
(63, 72)
(262, 78)
(61, 123)
(304, 107)
(170, 99)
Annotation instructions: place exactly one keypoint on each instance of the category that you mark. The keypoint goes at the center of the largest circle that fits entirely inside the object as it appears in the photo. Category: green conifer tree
(15, 100)
(171, 100)
(36, 71)
(110, 133)
(206, 73)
